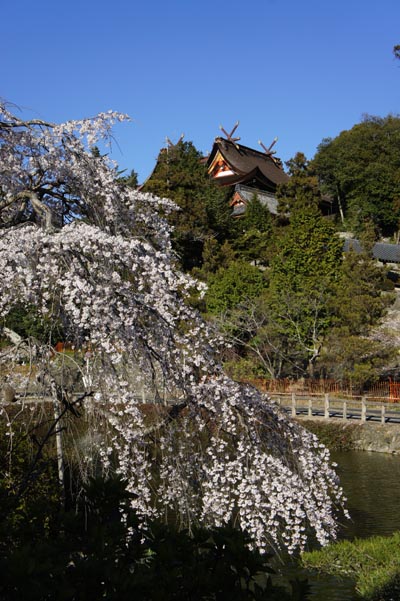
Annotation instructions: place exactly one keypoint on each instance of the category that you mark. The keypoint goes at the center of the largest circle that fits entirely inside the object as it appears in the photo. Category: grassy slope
(374, 563)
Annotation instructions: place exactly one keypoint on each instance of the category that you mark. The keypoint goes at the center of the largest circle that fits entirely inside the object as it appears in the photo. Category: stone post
(326, 414)
(293, 404)
(363, 409)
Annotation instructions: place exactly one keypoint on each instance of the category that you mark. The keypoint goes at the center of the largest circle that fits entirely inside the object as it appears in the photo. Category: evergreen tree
(301, 278)
(253, 242)
(302, 189)
(257, 216)
(130, 180)
(215, 256)
(180, 174)
(309, 249)
(233, 285)
(357, 305)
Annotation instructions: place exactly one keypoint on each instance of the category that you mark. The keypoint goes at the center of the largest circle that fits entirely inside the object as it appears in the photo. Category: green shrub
(232, 285)
(374, 564)
(243, 369)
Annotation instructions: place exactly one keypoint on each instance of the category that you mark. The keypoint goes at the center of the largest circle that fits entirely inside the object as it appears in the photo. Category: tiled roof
(352, 244)
(390, 253)
(266, 198)
(387, 253)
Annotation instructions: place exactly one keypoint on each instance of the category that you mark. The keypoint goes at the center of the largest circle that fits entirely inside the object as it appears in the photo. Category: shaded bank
(368, 547)
(341, 435)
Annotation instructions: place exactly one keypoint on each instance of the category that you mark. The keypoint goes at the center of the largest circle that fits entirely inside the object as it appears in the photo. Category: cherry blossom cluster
(96, 256)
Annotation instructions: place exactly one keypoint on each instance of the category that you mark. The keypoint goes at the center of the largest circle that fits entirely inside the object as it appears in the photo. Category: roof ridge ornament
(170, 144)
(269, 150)
(230, 137)
(270, 153)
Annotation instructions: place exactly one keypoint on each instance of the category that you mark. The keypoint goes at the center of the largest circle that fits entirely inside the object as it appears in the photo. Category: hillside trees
(96, 256)
(301, 278)
(284, 328)
(204, 213)
(232, 285)
(302, 189)
(318, 308)
(254, 233)
(352, 351)
(360, 168)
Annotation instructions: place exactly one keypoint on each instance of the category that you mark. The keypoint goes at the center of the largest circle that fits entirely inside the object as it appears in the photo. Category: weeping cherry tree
(94, 258)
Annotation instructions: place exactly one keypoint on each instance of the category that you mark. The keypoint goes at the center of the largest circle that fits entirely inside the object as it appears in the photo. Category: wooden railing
(324, 406)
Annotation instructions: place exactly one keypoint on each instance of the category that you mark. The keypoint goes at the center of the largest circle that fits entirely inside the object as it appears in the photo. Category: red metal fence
(388, 389)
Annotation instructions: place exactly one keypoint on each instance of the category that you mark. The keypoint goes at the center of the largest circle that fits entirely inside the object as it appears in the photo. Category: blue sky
(301, 71)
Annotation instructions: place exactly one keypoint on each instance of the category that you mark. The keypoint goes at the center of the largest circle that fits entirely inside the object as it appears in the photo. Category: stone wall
(338, 434)
(377, 437)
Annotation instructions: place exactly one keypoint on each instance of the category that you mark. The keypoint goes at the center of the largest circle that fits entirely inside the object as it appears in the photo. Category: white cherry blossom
(96, 257)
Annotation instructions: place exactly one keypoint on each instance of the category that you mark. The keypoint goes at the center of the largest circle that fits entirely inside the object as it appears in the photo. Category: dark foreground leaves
(97, 551)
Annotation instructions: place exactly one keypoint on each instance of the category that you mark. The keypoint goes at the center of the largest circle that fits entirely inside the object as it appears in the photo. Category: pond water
(371, 482)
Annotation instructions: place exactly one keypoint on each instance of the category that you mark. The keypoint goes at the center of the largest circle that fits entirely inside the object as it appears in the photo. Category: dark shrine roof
(387, 253)
(352, 244)
(248, 164)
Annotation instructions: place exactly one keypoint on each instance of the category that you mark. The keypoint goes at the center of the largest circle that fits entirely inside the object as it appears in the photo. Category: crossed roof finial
(171, 144)
(269, 150)
(230, 136)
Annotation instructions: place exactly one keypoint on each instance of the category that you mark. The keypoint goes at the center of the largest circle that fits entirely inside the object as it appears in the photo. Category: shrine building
(250, 171)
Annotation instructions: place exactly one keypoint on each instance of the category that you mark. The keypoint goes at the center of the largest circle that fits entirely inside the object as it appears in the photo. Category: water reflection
(324, 587)
(371, 482)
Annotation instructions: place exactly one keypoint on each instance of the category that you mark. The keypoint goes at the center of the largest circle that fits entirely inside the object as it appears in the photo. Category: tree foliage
(301, 190)
(96, 256)
(181, 175)
(130, 180)
(356, 306)
(215, 257)
(97, 550)
(360, 168)
(308, 249)
(232, 285)
(317, 312)
(301, 277)
(255, 233)
(28, 322)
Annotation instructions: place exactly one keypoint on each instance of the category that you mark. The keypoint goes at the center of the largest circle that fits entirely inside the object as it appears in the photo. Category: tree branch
(39, 207)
